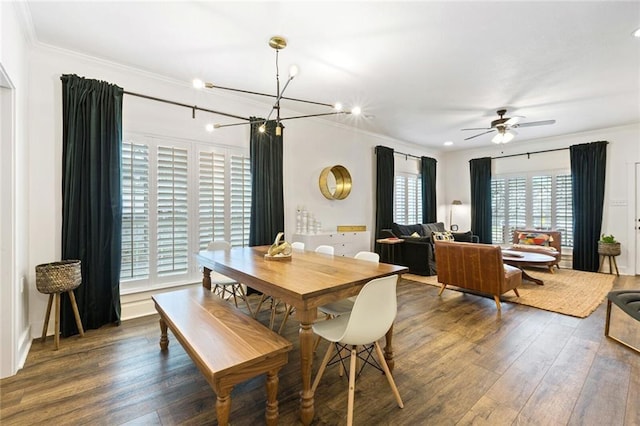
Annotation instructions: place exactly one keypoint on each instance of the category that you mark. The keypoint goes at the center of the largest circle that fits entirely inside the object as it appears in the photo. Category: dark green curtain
(480, 171)
(267, 199)
(92, 198)
(588, 171)
(428, 172)
(385, 175)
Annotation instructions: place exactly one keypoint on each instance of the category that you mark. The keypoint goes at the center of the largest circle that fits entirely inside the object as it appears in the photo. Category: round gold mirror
(335, 182)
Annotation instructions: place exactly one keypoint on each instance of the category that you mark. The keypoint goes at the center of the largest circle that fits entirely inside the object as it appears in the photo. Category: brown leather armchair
(477, 267)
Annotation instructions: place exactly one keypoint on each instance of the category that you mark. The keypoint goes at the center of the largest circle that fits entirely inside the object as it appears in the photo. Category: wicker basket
(608, 249)
(58, 277)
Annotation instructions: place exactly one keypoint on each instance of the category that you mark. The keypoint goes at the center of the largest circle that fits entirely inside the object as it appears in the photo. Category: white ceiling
(423, 70)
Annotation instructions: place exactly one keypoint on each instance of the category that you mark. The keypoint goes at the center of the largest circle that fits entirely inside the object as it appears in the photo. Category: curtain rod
(406, 155)
(193, 108)
(528, 154)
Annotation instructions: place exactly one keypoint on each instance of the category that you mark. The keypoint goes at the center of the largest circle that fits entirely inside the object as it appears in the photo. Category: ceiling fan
(505, 125)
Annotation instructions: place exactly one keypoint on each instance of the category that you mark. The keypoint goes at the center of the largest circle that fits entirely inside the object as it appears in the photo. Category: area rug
(568, 292)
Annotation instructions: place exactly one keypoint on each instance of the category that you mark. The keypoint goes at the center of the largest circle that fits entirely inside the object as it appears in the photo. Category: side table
(389, 249)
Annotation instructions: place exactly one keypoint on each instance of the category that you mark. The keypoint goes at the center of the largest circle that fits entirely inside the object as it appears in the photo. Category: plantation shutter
(211, 198)
(498, 219)
(541, 187)
(399, 197)
(407, 199)
(240, 201)
(516, 206)
(135, 211)
(414, 199)
(172, 212)
(564, 209)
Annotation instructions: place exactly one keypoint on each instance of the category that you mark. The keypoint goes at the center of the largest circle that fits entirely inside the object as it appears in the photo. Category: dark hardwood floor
(458, 362)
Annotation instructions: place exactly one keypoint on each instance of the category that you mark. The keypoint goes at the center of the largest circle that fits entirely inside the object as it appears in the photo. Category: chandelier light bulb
(209, 127)
(262, 129)
(293, 71)
(198, 84)
(337, 106)
(356, 110)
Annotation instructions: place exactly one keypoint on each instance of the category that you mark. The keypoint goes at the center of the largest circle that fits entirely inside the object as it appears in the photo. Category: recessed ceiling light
(448, 143)
(636, 33)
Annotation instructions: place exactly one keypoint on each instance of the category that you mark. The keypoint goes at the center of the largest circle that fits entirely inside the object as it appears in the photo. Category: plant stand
(610, 251)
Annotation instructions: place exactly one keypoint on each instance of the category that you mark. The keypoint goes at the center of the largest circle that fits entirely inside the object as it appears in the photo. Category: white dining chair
(372, 316)
(325, 249)
(344, 306)
(224, 286)
(296, 245)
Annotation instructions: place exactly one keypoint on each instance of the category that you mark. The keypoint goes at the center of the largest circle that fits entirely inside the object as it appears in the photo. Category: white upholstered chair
(324, 249)
(224, 286)
(372, 316)
(297, 245)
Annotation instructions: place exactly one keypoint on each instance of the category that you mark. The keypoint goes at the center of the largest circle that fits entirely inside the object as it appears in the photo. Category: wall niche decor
(335, 182)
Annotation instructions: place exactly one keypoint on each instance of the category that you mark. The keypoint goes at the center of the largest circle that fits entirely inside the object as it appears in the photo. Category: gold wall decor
(335, 182)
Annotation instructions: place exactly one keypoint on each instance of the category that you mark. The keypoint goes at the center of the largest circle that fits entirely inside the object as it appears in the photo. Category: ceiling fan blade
(480, 134)
(477, 128)
(535, 123)
(513, 120)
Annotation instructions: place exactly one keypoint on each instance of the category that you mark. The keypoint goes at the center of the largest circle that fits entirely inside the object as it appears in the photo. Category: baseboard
(24, 346)
(136, 305)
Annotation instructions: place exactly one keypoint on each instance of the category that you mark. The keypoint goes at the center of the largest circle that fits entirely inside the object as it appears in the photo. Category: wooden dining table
(306, 281)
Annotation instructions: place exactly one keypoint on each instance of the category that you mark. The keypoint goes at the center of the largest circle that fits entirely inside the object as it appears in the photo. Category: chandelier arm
(218, 126)
(276, 106)
(211, 86)
(315, 115)
(191, 107)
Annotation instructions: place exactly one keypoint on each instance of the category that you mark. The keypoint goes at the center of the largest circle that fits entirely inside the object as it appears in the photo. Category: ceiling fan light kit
(505, 125)
(277, 43)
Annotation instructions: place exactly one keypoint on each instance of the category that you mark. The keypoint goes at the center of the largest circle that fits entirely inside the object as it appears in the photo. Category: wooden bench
(227, 345)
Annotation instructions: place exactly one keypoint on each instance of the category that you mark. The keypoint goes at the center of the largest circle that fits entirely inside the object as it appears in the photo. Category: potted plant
(608, 246)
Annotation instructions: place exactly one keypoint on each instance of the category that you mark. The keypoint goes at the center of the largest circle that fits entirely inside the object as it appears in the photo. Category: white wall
(14, 232)
(310, 145)
(623, 152)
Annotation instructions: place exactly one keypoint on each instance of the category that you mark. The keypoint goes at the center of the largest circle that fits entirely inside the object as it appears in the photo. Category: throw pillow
(428, 228)
(534, 239)
(442, 236)
(464, 237)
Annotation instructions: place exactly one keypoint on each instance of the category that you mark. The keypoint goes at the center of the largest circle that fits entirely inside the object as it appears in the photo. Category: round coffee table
(520, 259)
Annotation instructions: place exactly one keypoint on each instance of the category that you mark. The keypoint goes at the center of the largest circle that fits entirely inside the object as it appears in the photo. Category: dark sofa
(417, 253)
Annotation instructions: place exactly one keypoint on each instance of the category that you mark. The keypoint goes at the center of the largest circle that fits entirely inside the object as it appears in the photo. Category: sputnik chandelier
(277, 43)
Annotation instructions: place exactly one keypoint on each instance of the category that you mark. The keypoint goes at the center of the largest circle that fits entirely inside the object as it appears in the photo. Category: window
(540, 201)
(177, 197)
(407, 198)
